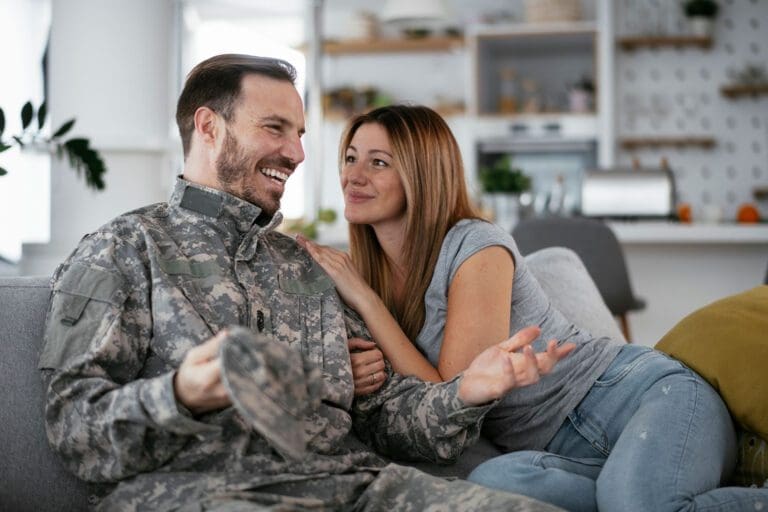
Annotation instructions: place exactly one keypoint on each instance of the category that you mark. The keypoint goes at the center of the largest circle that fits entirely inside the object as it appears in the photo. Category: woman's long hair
(428, 160)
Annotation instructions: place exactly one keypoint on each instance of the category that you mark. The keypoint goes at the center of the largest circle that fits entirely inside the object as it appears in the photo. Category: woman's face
(373, 192)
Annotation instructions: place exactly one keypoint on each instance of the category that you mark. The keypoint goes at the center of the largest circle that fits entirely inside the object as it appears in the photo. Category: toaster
(634, 193)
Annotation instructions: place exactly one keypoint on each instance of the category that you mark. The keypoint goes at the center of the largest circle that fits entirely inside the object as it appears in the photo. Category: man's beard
(233, 167)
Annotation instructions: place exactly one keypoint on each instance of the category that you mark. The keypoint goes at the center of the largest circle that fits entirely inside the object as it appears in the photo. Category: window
(25, 190)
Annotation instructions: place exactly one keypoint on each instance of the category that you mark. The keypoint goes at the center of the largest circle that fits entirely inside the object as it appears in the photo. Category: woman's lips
(356, 197)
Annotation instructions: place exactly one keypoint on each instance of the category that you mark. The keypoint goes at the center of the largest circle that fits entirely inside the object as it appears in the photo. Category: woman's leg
(565, 482)
(675, 450)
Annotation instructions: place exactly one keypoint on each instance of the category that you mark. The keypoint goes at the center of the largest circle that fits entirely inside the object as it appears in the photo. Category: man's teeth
(274, 174)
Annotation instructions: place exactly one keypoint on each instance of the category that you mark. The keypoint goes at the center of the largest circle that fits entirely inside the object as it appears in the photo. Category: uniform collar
(221, 206)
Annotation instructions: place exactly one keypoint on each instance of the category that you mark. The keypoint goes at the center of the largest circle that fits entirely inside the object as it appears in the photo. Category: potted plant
(502, 185)
(82, 157)
(701, 15)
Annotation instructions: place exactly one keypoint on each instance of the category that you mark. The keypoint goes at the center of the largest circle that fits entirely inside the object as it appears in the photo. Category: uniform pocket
(84, 304)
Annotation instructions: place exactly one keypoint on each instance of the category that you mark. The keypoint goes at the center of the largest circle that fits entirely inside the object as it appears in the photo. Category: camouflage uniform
(136, 295)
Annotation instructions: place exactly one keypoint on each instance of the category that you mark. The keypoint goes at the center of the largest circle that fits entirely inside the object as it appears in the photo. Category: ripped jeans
(650, 436)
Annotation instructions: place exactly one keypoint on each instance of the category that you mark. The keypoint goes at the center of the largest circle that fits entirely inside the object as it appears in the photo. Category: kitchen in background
(562, 90)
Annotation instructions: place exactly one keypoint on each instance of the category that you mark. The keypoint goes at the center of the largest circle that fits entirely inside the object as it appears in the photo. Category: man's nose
(294, 150)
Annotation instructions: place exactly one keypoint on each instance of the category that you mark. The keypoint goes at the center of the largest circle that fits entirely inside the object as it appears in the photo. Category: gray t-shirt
(527, 418)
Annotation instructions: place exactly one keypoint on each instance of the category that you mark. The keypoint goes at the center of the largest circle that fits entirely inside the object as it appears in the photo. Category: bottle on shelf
(507, 91)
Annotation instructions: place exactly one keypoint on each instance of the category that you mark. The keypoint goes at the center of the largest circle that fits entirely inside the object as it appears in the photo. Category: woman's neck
(391, 238)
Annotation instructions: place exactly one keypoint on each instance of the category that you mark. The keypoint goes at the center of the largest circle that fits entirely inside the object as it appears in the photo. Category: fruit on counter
(684, 212)
(748, 213)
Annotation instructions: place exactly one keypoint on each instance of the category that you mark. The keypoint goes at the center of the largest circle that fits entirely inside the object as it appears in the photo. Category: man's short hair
(216, 82)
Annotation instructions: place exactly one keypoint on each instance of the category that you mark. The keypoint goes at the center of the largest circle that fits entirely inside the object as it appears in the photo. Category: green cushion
(752, 461)
(726, 342)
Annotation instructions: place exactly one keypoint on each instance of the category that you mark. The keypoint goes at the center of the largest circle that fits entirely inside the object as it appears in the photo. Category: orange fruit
(684, 212)
(748, 213)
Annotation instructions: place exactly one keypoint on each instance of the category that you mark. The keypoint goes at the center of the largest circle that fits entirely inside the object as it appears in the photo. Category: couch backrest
(31, 477)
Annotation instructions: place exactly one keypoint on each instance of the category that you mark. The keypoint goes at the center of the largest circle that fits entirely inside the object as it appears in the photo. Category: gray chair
(599, 250)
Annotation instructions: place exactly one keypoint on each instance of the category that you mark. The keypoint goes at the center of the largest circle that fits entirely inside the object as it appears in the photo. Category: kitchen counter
(664, 232)
(678, 268)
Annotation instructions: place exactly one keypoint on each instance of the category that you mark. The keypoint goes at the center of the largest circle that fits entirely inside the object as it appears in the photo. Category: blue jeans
(651, 435)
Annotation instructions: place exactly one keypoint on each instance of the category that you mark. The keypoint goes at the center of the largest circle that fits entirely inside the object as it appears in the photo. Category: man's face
(262, 143)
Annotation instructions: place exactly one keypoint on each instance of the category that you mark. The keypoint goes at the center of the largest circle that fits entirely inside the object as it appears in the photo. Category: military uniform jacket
(137, 294)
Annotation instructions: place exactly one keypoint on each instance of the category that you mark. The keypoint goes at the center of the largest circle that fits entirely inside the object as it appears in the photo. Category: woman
(611, 426)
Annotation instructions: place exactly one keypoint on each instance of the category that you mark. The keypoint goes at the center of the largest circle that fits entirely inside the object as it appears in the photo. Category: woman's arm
(403, 355)
(479, 303)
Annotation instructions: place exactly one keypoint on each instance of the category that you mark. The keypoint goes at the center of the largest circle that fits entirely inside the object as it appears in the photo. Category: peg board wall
(676, 92)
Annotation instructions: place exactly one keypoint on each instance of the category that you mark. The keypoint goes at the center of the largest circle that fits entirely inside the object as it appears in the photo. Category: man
(164, 317)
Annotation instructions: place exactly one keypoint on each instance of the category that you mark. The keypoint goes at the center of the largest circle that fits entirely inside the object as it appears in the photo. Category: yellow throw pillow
(726, 342)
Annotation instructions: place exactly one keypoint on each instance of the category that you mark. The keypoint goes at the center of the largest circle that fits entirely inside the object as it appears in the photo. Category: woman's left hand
(368, 367)
(338, 265)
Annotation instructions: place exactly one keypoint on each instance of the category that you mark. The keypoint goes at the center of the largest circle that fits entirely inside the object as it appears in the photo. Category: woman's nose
(353, 174)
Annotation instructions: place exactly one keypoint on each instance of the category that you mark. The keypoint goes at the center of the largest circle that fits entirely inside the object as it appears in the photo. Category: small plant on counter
(81, 156)
(309, 229)
(501, 176)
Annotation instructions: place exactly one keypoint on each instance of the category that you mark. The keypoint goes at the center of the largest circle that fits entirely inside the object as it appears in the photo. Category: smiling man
(196, 359)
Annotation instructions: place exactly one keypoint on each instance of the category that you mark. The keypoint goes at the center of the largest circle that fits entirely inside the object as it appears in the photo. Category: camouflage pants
(395, 489)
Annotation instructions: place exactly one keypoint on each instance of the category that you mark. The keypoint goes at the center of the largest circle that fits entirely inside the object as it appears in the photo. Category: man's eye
(274, 128)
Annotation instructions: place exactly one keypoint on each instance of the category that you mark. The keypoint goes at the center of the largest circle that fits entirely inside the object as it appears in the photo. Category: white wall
(112, 66)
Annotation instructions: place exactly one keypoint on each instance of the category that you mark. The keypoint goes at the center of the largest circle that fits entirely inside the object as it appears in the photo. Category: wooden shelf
(738, 91)
(631, 43)
(427, 44)
(641, 142)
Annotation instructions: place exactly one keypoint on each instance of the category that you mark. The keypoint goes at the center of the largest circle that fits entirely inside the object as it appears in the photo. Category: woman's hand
(507, 365)
(338, 265)
(368, 368)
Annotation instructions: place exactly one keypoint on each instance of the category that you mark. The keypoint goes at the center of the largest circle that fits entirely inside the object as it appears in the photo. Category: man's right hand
(197, 383)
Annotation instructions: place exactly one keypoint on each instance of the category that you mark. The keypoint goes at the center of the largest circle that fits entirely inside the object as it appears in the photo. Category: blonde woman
(612, 426)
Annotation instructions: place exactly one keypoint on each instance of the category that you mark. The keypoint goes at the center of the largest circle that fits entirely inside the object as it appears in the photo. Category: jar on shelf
(531, 97)
(507, 91)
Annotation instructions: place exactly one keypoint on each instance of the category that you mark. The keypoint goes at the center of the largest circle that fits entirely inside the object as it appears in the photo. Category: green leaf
(41, 115)
(4, 147)
(2, 121)
(3, 172)
(18, 141)
(26, 115)
(84, 158)
(63, 129)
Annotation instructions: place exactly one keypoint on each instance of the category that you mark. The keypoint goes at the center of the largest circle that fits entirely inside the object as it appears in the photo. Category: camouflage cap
(271, 387)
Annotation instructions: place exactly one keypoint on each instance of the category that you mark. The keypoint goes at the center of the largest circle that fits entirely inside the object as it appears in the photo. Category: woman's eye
(349, 159)
(379, 163)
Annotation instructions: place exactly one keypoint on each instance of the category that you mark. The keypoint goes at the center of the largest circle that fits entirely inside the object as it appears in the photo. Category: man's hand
(368, 368)
(197, 383)
(510, 364)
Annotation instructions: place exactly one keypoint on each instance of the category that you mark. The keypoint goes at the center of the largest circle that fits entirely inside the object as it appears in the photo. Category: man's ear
(207, 125)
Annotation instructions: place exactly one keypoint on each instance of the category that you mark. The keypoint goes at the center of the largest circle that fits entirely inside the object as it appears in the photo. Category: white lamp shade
(413, 10)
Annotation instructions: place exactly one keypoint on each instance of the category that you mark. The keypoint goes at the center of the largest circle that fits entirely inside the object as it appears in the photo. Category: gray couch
(31, 477)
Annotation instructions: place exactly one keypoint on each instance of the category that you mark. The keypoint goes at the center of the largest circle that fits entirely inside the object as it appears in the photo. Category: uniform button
(260, 320)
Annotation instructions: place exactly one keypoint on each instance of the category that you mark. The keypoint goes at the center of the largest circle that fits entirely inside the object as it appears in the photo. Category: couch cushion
(726, 342)
(31, 477)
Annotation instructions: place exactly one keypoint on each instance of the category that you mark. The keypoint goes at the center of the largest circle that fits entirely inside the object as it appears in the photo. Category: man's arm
(410, 419)
(104, 421)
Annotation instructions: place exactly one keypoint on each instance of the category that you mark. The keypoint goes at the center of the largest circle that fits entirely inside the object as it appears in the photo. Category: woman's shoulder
(476, 232)
(467, 237)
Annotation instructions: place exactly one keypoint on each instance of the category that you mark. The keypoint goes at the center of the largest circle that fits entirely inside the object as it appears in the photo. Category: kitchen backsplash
(675, 92)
